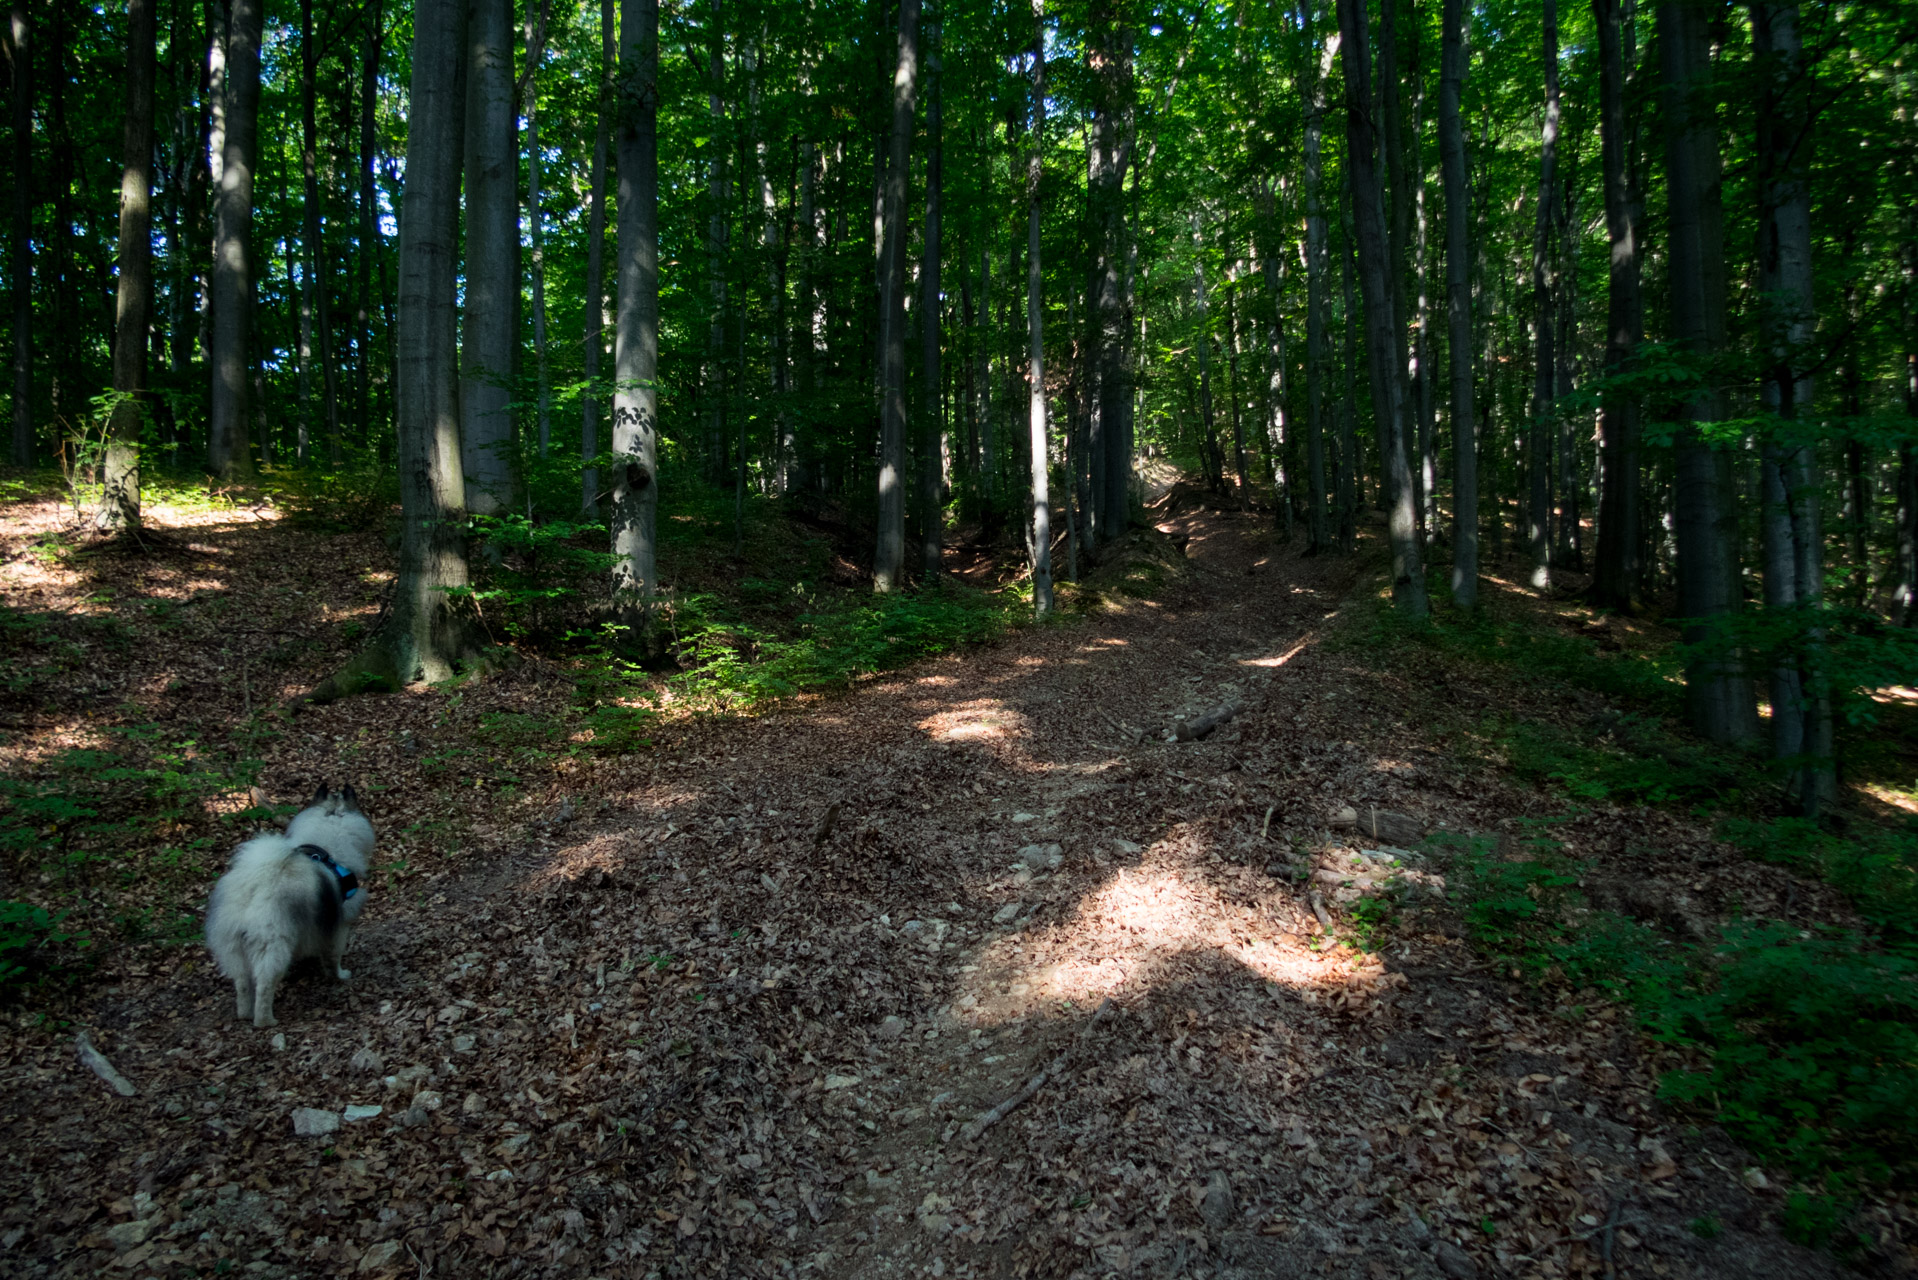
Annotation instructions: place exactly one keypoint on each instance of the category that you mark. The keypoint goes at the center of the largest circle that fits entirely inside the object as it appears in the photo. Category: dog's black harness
(349, 883)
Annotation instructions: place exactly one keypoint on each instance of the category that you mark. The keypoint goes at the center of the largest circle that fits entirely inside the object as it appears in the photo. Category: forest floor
(737, 1003)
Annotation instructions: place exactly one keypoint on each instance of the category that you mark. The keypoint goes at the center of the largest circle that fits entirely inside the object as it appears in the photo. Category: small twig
(984, 1122)
(96, 1062)
(1606, 1235)
(1265, 831)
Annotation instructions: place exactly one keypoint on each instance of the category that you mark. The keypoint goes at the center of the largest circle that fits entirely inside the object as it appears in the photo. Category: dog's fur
(276, 905)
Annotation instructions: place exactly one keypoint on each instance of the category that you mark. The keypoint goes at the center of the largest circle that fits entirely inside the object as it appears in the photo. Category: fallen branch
(984, 1122)
(1318, 909)
(1193, 730)
(96, 1062)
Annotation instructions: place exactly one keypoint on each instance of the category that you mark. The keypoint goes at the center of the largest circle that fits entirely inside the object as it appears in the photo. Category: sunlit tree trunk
(931, 510)
(227, 453)
(315, 256)
(889, 559)
(636, 332)
(1615, 570)
(596, 268)
(1375, 281)
(1718, 692)
(133, 302)
(1458, 308)
(1543, 435)
(1109, 59)
(427, 632)
(1041, 527)
(489, 320)
(1317, 299)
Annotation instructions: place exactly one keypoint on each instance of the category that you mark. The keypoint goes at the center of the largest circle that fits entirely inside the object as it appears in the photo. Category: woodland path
(678, 1033)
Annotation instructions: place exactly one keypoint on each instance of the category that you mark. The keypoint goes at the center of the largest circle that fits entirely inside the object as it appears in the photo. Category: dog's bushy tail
(265, 900)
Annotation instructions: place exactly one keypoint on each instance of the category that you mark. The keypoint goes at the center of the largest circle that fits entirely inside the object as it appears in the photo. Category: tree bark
(133, 302)
(315, 267)
(931, 509)
(1110, 62)
(1317, 300)
(1718, 692)
(427, 630)
(372, 245)
(1543, 436)
(1351, 485)
(489, 323)
(21, 268)
(889, 559)
(1616, 571)
(1458, 308)
(1375, 282)
(596, 269)
(535, 28)
(1041, 533)
(228, 455)
(636, 332)
(1793, 542)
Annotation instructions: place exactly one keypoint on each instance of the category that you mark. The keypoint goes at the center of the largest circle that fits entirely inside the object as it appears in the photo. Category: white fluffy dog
(286, 897)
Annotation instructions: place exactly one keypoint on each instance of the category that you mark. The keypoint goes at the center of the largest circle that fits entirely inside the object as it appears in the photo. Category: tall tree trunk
(1458, 309)
(315, 270)
(372, 246)
(490, 319)
(535, 28)
(931, 510)
(889, 560)
(1041, 527)
(1543, 436)
(717, 228)
(1110, 61)
(1718, 692)
(1793, 539)
(1237, 389)
(1382, 339)
(21, 268)
(1351, 482)
(427, 632)
(1904, 596)
(120, 494)
(988, 441)
(1615, 573)
(1389, 166)
(227, 453)
(636, 331)
(1206, 422)
(596, 268)
(1317, 299)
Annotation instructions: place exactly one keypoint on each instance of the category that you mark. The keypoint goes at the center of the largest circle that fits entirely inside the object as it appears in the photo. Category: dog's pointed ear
(319, 797)
(352, 801)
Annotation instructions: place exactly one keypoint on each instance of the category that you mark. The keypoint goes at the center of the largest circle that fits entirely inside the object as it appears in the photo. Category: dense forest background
(1634, 293)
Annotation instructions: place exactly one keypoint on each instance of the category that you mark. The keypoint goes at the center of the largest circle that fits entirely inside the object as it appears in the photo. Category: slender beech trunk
(1206, 422)
(596, 268)
(21, 269)
(1383, 342)
(1542, 436)
(426, 632)
(228, 456)
(988, 442)
(1904, 596)
(889, 560)
(931, 509)
(317, 312)
(636, 330)
(1458, 308)
(717, 235)
(1388, 124)
(1718, 692)
(1351, 482)
(535, 28)
(1793, 542)
(120, 495)
(490, 320)
(371, 241)
(1317, 299)
(1110, 61)
(1615, 573)
(1041, 527)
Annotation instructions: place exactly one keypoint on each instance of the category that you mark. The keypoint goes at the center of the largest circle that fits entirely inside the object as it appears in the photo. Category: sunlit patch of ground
(979, 720)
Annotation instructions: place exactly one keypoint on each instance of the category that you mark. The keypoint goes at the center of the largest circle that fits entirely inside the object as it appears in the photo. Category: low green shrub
(35, 944)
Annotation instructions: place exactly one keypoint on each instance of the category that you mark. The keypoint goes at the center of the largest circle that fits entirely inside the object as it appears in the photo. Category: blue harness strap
(349, 883)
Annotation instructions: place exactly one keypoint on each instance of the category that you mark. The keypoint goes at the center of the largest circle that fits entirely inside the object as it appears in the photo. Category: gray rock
(1455, 1262)
(891, 1029)
(1005, 914)
(368, 1061)
(380, 1255)
(1036, 855)
(1216, 1207)
(311, 1122)
(462, 1044)
(358, 1112)
(128, 1235)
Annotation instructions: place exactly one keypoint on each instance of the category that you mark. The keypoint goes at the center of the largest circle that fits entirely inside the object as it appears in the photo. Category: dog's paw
(268, 1021)
(343, 974)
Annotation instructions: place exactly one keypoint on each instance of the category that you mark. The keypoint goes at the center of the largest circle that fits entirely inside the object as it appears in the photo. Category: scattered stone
(96, 1062)
(473, 1105)
(463, 1044)
(278, 1042)
(769, 884)
(1127, 846)
(1380, 824)
(892, 1028)
(841, 1082)
(380, 1256)
(311, 1122)
(428, 1100)
(1005, 914)
(362, 1111)
(368, 1061)
(1755, 1180)
(1455, 1262)
(128, 1235)
(1216, 1206)
(1034, 856)
(1025, 817)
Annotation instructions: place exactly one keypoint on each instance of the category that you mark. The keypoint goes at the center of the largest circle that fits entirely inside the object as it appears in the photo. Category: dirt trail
(690, 1031)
